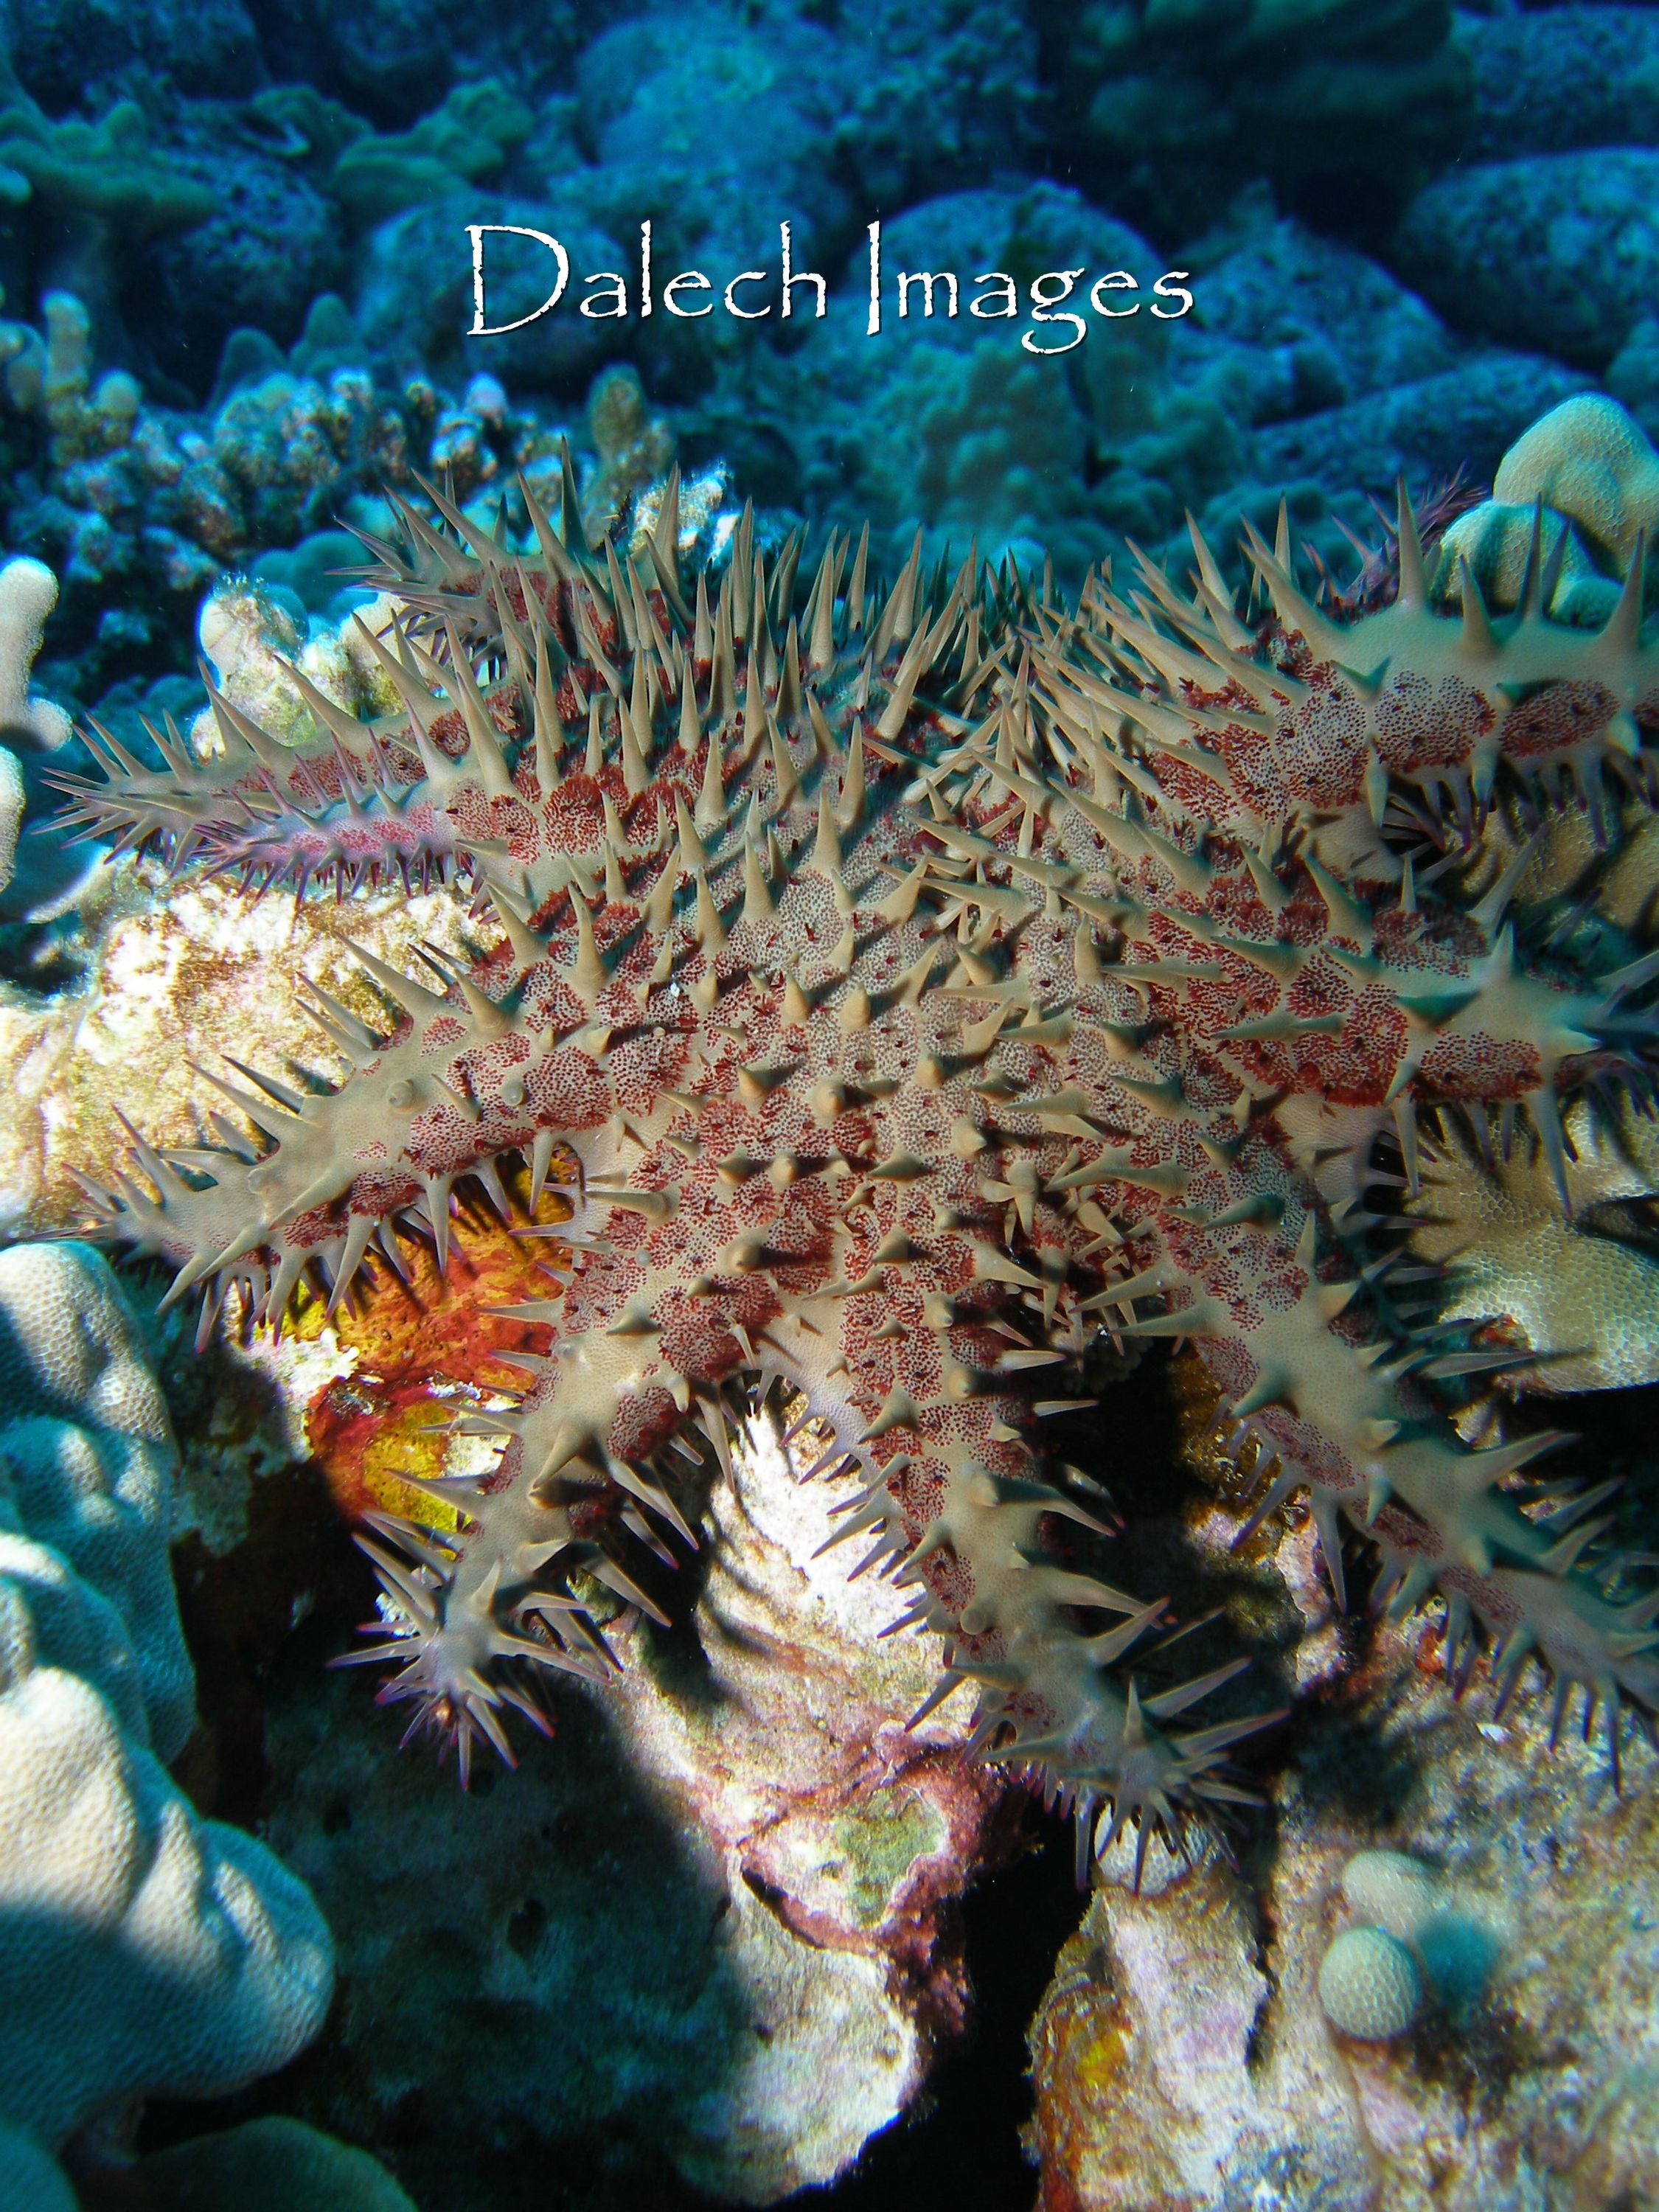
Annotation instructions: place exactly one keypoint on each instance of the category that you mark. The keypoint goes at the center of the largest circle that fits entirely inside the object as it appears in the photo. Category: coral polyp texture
(918, 994)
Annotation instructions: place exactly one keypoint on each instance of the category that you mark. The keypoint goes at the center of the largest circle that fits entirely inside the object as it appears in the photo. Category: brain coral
(1368, 1985)
(912, 991)
(1591, 467)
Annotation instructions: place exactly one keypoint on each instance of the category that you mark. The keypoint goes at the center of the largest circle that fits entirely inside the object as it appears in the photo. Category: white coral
(149, 1950)
(86, 1467)
(28, 593)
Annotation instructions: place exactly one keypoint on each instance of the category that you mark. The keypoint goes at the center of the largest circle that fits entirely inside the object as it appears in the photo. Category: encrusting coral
(908, 995)
(104, 173)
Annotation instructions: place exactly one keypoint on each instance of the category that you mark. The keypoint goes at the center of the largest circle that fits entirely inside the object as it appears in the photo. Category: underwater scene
(828, 1106)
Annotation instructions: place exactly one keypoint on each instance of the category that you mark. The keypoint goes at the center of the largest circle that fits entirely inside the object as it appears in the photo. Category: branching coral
(28, 592)
(52, 373)
(910, 993)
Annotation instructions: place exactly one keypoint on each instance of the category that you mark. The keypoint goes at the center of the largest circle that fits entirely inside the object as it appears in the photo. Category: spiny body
(909, 994)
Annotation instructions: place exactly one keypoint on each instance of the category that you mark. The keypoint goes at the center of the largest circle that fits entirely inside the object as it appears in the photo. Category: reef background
(231, 244)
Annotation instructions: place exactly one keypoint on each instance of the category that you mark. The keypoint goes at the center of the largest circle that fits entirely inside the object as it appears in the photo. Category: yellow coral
(1495, 538)
(1369, 1986)
(1589, 461)
(1582, 1293)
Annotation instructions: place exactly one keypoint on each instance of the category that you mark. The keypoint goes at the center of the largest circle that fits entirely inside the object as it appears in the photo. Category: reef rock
(1285, 285)
(1463, 418)
(1552, 80)
(415, 293)
(943, 93)
(949, 423)
(393, 62)
(1557, 253)
(714, 1928)
(271, 246)
(63, 53)
(1168, 105)
(1182, 2060)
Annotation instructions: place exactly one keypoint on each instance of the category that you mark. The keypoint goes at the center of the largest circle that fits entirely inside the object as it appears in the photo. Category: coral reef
(102, 172)
(1181, 2058)
(149, 1952)
(272, 245)
(1348, 327)
(143, 508)
(949, 423)
(464, 142)
(52, 373)
(968, 982)
(635, 449)
(1172, 104)
(899, 994)
(1562, 140)
(1460, 420)
(741, 1870)
(130, 499)
(63, 53)
(1549, 81)
(145, 477)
